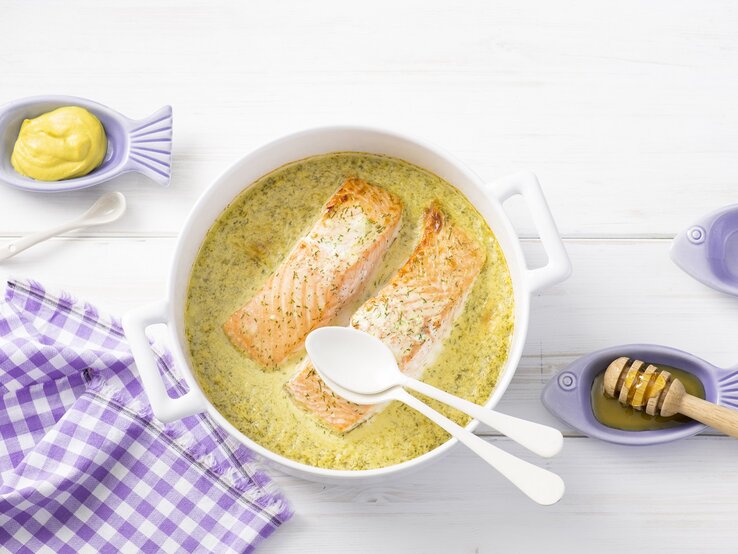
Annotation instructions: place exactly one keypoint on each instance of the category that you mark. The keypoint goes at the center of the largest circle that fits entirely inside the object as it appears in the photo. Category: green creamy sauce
(244, 247)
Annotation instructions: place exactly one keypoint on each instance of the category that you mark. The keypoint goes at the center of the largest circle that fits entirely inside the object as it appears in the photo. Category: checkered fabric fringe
(85, 467)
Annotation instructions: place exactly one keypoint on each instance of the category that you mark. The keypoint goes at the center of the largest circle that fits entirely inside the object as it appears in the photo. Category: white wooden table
(626, 110)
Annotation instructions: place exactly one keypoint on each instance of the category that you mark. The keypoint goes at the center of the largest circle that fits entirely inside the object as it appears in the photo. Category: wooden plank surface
(626, 111)
(618, 499)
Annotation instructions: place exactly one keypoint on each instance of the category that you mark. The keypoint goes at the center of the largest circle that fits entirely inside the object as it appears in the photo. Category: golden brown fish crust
(413, 314)
(324, 271)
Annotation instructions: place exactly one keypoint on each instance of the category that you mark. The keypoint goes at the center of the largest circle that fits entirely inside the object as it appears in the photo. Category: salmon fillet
(413, 314)
(324, 271)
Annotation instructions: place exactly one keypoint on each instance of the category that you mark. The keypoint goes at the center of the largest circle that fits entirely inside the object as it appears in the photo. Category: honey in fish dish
(609, 411)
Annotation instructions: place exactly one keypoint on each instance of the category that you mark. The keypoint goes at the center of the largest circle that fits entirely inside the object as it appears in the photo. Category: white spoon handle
(540, 439)
(538, 484)
(11, 249)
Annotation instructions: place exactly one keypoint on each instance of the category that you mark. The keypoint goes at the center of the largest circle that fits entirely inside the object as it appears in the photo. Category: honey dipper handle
(721, 418)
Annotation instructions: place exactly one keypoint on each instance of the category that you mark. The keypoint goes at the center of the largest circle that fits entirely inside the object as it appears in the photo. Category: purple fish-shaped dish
(708, 250)
(568, 394)
(143, 146)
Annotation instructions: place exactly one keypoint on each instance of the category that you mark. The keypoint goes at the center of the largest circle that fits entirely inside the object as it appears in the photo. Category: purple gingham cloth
(84, 467)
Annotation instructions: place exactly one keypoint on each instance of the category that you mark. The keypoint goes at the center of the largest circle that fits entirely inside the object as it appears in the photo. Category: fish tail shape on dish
(324, 271)
(413, 314)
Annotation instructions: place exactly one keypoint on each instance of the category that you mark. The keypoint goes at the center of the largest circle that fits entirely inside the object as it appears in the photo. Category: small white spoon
(339, 353)
(108, 208)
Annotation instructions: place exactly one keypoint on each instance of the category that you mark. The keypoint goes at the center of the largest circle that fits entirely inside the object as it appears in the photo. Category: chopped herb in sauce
(247, 243)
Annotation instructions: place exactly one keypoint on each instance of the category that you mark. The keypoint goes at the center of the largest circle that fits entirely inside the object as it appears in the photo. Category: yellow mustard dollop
(61, 144)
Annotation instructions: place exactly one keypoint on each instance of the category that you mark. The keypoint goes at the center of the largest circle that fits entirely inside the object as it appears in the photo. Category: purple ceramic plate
(708, 250)
(144, 146)
(567, 394)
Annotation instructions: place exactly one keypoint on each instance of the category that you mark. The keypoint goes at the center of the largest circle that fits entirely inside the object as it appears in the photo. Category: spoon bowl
(108, 208)
(357, 361)
(358, 398)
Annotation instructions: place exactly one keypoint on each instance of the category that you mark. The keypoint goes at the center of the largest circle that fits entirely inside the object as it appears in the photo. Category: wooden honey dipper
(646, 387)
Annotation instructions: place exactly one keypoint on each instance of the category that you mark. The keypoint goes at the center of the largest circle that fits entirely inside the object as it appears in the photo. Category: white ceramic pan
(487, 197)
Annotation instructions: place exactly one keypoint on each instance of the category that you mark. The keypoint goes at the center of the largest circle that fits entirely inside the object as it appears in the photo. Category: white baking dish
(487, 197)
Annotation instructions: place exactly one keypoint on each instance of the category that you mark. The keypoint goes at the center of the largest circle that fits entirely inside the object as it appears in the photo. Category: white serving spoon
(108, 208)
(375, 371)
(341, 353)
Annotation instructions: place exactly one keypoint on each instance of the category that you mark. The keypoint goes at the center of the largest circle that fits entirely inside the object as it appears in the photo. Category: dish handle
(165, 407)
(558, 266)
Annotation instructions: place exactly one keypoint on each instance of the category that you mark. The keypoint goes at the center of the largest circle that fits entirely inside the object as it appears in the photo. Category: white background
(627, 111)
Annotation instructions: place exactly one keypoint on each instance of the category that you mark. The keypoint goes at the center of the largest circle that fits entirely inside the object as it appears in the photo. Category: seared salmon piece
(324, 271)
(413, 314)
